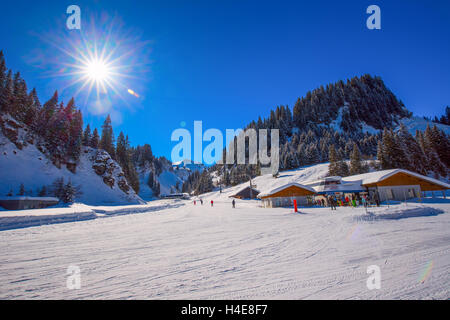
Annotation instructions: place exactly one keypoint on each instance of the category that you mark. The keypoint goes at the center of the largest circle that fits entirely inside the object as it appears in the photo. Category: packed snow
(201, 252)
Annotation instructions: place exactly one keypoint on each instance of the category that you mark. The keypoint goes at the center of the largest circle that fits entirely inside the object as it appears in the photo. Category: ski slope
(204, 252)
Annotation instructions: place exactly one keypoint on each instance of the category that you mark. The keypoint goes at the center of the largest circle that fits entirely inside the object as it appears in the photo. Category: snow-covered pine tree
(6, 95)
(107, 139)
(417, 159)
(333, 169)
(356, 165)
(95, 139)
(87, 136)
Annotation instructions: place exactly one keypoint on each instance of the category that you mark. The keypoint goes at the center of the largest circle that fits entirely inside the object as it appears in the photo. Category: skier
(201, 201)
(212, 203)
(377, 198)
(194, 202)
(233, 203)
(332, 202)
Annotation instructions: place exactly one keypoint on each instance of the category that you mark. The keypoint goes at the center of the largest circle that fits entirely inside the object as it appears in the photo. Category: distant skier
(212, 203)
(201, 201)
(364, 201)
(233, 203)
(376, 197)
(194, 202)
(332, 202)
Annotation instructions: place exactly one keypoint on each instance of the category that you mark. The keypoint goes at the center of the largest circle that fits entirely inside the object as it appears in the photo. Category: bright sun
(97, 70)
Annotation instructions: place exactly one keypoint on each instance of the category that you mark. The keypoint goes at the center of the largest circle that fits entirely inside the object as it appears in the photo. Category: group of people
(233, 203)
(354, 201)
(201, 202)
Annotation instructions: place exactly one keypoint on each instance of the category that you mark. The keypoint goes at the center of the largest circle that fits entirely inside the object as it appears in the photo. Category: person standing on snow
(376, 197)
(233, 203)
(212, 203)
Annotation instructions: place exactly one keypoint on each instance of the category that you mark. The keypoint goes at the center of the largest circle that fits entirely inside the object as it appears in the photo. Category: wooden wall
(403, 179)
(292, 191)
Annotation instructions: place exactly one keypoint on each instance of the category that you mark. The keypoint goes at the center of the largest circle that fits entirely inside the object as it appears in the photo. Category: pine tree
(417, 159)
(95, 140)
(6, 94)
(382, 163)
(123, 157)
(107, 139)
(87, 136)
(356, 166)
(2, 80)
(21, 190)
(343, 169)
(43, 192)
(121, 151)
(434, 162)
(75, 136)
(33, 110)
(333, 169)
(68, 193)
(47, 112)
(58, 188)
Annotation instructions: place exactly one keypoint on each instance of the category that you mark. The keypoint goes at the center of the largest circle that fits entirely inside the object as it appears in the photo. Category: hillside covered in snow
(99, 178)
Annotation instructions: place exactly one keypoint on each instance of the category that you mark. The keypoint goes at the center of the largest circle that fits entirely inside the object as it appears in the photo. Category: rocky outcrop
(15, 132)
(109, 170)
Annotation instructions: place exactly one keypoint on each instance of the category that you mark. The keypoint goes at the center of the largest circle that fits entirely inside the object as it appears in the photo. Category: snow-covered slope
(169, 179)
(412, 124)
(267, 182)
(204, 252)
(418, 123)
(32, 168)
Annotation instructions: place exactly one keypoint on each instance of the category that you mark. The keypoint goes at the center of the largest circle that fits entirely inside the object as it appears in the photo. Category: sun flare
(97, 70)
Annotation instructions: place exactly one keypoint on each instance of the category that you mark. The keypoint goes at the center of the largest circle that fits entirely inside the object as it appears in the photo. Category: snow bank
(396, 213)
(14, 219)
(38, 217)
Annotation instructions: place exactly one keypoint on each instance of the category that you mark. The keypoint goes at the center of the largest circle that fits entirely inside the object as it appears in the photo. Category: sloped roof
(265, 194)
(378, 176)
(241, 191)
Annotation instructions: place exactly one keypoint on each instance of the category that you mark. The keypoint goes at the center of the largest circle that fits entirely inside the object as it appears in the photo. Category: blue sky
(228, 62)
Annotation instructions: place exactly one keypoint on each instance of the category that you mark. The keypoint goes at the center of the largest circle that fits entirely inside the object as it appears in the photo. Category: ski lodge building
(393, 184)
(285, 195)
(246, 193)
(397, 184)
(25, 202)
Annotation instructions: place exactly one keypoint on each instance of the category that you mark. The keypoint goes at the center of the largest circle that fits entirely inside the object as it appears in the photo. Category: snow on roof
(265, 194)
(377, 176)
